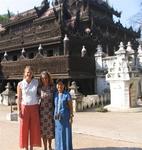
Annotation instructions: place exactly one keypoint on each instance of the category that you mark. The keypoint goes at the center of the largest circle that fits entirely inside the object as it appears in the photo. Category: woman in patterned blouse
(46, 109)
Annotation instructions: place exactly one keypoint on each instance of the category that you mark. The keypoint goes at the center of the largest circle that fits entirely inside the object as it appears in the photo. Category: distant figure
(63, 115)
(28, 108)
(46, 109)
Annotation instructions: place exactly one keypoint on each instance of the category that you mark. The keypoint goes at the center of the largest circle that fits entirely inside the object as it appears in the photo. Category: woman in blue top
(63, 115)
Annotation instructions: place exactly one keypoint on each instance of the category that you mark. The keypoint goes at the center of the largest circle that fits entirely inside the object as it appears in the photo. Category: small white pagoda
(123, 79)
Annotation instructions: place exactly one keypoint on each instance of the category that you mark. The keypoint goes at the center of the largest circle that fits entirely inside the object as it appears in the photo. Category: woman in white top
(28, 110)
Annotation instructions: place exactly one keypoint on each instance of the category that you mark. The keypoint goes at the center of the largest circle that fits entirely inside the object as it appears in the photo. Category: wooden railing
(58, 66)
(14, 69)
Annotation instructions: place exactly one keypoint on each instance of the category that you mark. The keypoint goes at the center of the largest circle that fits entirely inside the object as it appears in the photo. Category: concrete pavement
(91, 131)
(112, 125)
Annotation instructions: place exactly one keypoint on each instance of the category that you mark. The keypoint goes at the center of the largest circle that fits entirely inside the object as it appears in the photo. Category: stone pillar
(8, 96)
(100, 74)
(76, 97)
(123, 83)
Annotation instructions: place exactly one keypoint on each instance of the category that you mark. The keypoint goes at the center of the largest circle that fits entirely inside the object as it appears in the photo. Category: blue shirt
(61, 104)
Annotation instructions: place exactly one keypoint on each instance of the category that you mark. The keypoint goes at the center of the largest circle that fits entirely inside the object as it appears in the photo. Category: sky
(128, 8)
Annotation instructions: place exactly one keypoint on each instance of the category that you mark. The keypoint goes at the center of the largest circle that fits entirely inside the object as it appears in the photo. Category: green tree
(3, 19)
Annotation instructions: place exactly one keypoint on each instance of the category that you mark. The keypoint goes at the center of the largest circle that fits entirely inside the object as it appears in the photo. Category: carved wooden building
(36, 37)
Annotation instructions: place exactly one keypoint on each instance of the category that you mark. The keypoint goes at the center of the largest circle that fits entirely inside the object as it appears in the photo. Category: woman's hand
(71, 118)
(19, 99)
(20, 114)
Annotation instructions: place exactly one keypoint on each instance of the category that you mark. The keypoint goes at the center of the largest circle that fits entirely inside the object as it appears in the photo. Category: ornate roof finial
(23, 51)
(40, 48)
(8, 13)
(5, 54)
(66, 45)
(99, 49)
(87, 30)
(121, 46)
(83, 51)
(56, 2)
(129, 48)
(22, 54)
(66, 38)
(121, 49)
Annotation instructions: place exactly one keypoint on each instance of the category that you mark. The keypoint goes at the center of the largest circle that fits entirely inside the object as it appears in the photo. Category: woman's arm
(19, 99)
(70, 106)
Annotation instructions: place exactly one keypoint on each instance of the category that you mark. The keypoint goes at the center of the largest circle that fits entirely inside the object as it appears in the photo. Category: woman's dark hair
(59, 80)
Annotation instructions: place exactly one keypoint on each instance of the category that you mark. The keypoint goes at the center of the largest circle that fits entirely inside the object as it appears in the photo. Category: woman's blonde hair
(47, 74)
(29, 68)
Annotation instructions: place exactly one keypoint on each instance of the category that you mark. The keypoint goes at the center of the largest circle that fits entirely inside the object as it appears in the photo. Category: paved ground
(91, 131)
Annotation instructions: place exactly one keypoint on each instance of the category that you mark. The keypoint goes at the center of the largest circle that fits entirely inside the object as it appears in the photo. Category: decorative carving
(44, 6)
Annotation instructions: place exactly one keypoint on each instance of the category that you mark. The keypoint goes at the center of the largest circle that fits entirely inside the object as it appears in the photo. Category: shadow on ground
(111, 148)
(95, 109)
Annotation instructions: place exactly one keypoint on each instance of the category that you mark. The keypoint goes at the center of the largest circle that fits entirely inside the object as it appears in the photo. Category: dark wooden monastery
(52, 38)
